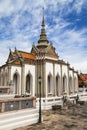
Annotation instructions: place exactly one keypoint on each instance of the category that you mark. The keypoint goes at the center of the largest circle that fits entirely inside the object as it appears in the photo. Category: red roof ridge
(25, 52)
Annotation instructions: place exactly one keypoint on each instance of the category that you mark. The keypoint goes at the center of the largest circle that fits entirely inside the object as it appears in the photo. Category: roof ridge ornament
(11, 52)
(19, 55)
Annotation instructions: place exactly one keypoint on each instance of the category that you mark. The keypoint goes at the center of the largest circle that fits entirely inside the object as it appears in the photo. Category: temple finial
(43, 38)
(43, 18)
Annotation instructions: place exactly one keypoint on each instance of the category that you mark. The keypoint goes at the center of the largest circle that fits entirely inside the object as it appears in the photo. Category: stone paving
(73, 118)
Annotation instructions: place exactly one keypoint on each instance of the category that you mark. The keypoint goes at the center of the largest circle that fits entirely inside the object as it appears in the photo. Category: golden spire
(43, 38)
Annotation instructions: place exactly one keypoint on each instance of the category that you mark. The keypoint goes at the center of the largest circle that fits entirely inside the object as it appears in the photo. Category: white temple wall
(16, 69)
(65, 73)
(3, 76)
(76, 82)
(31, 69)
(58, 73)
(70, 73)
(64, 70)
(57, 69)
(28, 69)
(6, 76)
(49, 70)
(71, 77)
(0, 79)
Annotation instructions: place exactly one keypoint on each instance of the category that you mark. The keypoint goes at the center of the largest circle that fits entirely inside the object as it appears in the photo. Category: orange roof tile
(27, 55)
(83, 79)
(17, 62)
(83, 76)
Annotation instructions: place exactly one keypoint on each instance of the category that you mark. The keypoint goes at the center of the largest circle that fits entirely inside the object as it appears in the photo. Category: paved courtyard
(73, 118)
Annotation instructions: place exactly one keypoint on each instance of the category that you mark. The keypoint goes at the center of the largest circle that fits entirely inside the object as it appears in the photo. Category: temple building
(23, 70)
(82, 82)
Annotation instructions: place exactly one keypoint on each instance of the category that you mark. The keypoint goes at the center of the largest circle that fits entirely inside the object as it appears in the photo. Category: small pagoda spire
(43, 37)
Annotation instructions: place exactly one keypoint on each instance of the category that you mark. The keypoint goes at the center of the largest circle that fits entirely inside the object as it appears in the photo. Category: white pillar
(9, 74)
(23, 79)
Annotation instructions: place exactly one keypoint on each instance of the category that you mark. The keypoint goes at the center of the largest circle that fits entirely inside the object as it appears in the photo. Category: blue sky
(66, 28)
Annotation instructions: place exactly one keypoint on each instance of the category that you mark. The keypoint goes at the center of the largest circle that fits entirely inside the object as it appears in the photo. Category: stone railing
(4, 89)
(82, 96)
(17, 104)
(46, 103)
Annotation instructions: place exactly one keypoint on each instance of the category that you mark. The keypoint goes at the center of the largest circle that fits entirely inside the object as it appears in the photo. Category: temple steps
(12, 120)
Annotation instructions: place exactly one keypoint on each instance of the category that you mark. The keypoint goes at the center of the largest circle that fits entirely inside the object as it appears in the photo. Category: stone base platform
(20, 118)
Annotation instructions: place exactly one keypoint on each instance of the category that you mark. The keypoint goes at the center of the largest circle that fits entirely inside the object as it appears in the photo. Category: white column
(61, 81)
(54, 81)
(23, 79)
(9, 74)
(67, 80)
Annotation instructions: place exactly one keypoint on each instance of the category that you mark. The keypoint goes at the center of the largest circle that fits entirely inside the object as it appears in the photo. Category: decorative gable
(50, 51)
(19, 57)
(34, 49)
(11, 57)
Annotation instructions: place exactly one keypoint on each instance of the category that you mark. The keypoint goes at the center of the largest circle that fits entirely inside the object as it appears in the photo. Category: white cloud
(78, 5)
(7, 7)
(70, 44)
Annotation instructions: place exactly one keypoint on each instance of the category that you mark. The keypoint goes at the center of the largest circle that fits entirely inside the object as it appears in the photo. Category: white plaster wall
(31, 69)
(57, 70)
(76, 87)
(75, 75)
(6, 68)
(6, 76)
(3, 77)
(0, 78)
(49, 69)
(65, 72)
(17, 69)
(71, 75)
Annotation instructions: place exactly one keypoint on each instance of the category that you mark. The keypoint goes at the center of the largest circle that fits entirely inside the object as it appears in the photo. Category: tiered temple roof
(82, 79)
